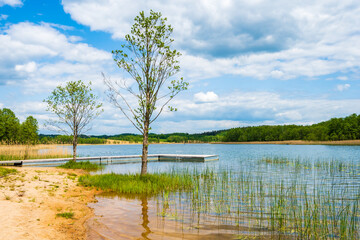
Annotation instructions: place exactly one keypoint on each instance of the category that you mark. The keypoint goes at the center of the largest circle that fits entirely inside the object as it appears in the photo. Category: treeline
(14, 132)
(64, 139)
(347, 128)
(214, 136)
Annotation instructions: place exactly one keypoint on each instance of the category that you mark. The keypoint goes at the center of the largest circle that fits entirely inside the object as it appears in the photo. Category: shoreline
(300, 142)
(34, 196)
(285, 142)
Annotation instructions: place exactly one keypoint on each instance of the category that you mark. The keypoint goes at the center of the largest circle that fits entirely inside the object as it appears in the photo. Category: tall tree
(10, 127)
(75, 107)
(29, 131)
(147, 57)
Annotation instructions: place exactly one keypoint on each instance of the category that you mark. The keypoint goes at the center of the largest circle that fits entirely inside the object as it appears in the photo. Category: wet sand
(31, 198)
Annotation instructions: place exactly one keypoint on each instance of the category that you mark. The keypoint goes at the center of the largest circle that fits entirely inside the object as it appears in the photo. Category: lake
(255, 190)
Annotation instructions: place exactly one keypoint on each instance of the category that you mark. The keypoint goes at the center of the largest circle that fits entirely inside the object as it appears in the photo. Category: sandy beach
(31, 199)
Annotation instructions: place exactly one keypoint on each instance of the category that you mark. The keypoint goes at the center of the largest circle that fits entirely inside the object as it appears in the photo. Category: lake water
(252, 195)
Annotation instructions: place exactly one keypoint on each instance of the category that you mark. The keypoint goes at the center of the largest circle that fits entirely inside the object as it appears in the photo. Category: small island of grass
(149, 184)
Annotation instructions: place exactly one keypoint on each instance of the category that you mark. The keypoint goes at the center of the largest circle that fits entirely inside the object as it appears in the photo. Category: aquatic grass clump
(5, 171)
(88, 166)
(275, 160)
(149, 184)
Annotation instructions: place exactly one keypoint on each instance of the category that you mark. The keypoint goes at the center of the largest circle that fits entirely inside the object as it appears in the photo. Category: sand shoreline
(31, 199)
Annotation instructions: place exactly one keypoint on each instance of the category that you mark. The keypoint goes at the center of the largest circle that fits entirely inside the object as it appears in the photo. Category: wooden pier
(114, 159)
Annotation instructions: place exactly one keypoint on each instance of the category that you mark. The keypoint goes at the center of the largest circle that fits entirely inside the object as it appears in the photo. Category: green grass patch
(67, 215)
(136, 184)
(6, 171)
(88, 166)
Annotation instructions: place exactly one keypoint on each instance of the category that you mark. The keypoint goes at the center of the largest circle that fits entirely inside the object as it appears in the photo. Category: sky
(248, 63)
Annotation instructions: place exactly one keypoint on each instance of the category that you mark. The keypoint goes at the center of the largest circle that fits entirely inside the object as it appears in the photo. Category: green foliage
(67, 215)
(28, 131)
(10, 126)
(6, 171)
(148, 58)
(347, 128)
(12, 132)
(88, 166)
(75, 106)
(138, 184)
(63, 139)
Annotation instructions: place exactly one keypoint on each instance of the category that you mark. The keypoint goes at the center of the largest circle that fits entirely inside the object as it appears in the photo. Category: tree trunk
(145, 149)
(74, 147)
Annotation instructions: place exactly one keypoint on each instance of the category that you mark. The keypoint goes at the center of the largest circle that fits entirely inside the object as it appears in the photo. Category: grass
(88, 166)
(67, 215)
(149, 184)
(22, 152)
(5, 171)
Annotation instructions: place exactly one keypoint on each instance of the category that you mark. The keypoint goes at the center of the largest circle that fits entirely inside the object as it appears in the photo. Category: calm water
(235, 156)
(242, 202)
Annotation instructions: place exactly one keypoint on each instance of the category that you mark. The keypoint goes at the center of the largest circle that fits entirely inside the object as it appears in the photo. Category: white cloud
(38, 57)
(12, 3)
(206, 97)
(342, 87)
(343, 78)
(28, 67)
(3, 17)
(274, 39)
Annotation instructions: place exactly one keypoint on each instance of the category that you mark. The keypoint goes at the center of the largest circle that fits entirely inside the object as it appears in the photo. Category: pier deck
(114, 159)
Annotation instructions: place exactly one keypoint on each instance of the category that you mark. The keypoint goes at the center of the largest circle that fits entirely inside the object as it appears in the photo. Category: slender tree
(147, 57)
(75, 107)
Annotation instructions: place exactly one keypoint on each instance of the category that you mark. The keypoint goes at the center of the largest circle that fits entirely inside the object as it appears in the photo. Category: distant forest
(348, 128)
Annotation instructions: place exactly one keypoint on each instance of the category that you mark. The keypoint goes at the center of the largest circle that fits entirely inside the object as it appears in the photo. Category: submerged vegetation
(148, 184)
(88, 166)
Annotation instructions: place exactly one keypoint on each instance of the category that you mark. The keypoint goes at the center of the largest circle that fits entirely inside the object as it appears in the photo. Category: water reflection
(145, 217)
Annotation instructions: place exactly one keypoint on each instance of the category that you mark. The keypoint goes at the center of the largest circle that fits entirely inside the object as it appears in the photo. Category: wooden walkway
(114, 159)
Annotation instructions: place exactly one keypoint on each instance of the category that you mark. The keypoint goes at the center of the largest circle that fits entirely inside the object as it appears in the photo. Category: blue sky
(248, 62)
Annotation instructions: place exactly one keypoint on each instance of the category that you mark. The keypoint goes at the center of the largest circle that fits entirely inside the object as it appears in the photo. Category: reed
(280, 207)
(22, 152)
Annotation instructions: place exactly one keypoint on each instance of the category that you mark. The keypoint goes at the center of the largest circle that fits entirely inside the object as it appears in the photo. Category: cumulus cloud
(12, 3)
(206, 97)
(28, 67)
(40, 57)
(264, 108)
(342, 87)
(276, 39)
